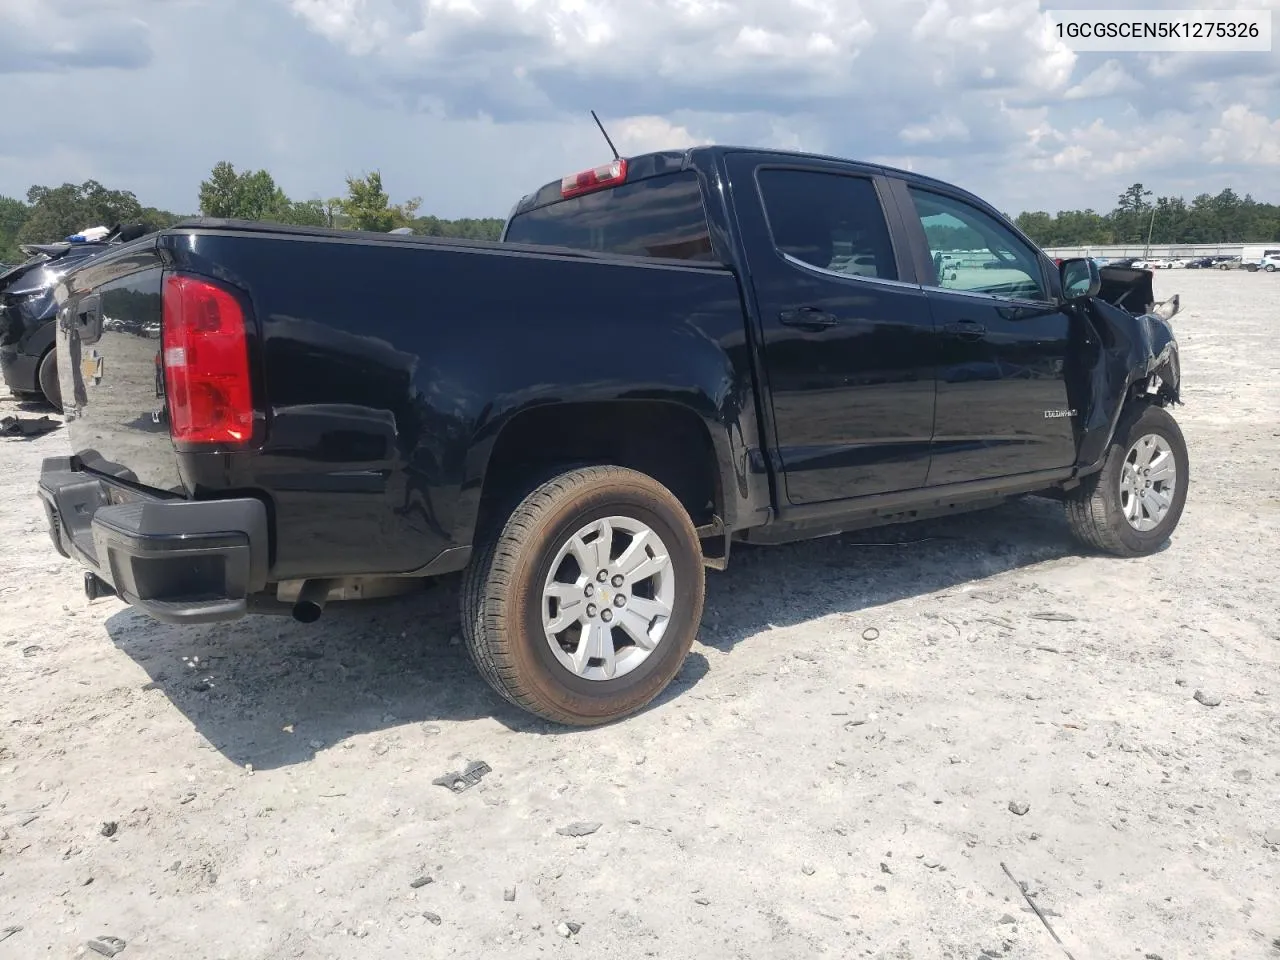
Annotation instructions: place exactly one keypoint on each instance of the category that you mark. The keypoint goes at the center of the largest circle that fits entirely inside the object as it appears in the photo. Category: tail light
(206, 363)
(609, 175)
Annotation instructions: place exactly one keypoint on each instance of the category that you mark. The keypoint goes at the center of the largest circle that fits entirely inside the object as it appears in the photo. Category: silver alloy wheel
(1148, 481)
(608, 598)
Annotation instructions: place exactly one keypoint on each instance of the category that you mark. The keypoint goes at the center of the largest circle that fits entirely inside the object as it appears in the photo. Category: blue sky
(471, 103)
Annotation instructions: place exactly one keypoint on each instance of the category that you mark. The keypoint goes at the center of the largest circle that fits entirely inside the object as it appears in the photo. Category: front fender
(1126, 356)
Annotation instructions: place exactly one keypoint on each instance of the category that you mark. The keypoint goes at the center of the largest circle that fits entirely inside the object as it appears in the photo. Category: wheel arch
(670, 441)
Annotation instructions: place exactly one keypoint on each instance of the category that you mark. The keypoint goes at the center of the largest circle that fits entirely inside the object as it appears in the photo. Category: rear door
(846, 333)
(109, 368)
(1002, 392)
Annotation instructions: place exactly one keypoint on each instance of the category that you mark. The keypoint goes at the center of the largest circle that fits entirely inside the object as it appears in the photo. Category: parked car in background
(1200, 263)
(664, 356)
(27, 308)
(1254, 253)
(1228, 263)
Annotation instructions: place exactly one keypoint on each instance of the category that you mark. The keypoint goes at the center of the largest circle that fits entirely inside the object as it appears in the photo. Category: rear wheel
(582, 608)
(47, 376)
(1271, 268)
(1133, 504)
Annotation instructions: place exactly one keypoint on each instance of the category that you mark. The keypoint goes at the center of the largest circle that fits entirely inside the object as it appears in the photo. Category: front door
(848, 344)
(1002, 392)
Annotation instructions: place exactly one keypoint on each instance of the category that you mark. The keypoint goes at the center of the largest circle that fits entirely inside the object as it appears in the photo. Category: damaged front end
(1132, 290)
(1125, 351)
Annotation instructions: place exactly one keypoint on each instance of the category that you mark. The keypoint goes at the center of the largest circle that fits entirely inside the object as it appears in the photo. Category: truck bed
(375, 397)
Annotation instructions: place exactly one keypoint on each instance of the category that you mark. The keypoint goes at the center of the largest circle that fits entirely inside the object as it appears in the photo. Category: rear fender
(683, 444)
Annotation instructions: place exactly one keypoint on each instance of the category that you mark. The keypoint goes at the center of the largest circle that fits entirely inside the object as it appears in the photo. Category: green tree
(57, 212)
(369, 208)
(1222, 218)
(1132, 217)
(250, 195)
(13, 214)
(1037, 225)
(484, 228)
(305, 213)
(1171, 220)
(156, 219)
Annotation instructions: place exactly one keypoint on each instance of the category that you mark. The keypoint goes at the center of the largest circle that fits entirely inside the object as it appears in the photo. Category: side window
(656, 217)
(828, 220)
(975, 252)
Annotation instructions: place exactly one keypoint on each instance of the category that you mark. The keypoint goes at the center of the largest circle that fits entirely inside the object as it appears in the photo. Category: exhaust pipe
(311, 600)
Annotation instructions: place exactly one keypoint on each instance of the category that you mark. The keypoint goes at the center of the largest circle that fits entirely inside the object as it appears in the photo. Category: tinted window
(973, 251)
(657, 217)
(828, 220)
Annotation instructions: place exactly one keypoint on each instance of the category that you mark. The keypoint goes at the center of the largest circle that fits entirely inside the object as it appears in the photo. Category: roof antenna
(616, 155)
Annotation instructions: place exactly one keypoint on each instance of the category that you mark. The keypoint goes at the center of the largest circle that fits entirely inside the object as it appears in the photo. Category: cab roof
(645, 165)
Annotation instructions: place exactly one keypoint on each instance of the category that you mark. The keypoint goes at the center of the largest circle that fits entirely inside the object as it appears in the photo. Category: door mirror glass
(1080, 278)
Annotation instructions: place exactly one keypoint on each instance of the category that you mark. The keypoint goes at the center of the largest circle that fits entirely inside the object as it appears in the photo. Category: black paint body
(387, 370)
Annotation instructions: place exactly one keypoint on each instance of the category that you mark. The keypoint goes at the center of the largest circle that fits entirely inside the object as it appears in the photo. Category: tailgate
(109, 366)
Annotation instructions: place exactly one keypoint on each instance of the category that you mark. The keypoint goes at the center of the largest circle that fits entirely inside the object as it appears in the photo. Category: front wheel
(582, 608)
(1132, 505)
(1271, 268)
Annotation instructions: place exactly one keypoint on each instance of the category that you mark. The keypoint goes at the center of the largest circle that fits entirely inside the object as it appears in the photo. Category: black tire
(502, 596)
(47, 376)
(1095, 511)
(1271, 268)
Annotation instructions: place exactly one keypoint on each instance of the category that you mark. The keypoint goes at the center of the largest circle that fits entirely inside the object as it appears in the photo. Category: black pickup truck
(662, 356)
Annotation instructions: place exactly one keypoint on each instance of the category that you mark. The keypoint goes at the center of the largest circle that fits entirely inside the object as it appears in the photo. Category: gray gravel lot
(836, 771)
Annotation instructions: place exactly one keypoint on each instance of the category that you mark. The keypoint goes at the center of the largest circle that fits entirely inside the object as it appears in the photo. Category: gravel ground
(835, 772)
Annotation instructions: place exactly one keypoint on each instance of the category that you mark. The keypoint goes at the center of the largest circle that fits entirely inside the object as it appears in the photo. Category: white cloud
(471, 103)
(707, 51)
(1098, 150)
(50, 35)
(940, 128)
(1110, 78)
(1243, 136)
(634, 135)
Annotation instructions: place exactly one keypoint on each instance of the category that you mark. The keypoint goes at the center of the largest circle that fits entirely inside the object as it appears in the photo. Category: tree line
(1225, 217)
(52, 213)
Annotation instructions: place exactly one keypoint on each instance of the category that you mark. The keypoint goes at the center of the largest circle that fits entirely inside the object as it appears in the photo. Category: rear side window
(828, 220)
(655, 217)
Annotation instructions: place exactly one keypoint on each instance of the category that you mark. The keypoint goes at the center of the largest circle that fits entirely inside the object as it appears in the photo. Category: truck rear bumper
(181, 561)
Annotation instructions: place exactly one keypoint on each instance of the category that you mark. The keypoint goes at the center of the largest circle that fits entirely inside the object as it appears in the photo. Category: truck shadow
(780, 586)
(270, 692)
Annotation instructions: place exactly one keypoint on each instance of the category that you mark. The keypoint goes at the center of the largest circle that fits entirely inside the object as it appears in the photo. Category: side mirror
(1080, 278)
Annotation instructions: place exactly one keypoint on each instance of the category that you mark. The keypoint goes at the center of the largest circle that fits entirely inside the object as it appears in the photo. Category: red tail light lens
(609, 175)
(206, 363)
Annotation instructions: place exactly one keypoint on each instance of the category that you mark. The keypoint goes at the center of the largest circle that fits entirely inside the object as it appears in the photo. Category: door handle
(807, 318)
(966, 330)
